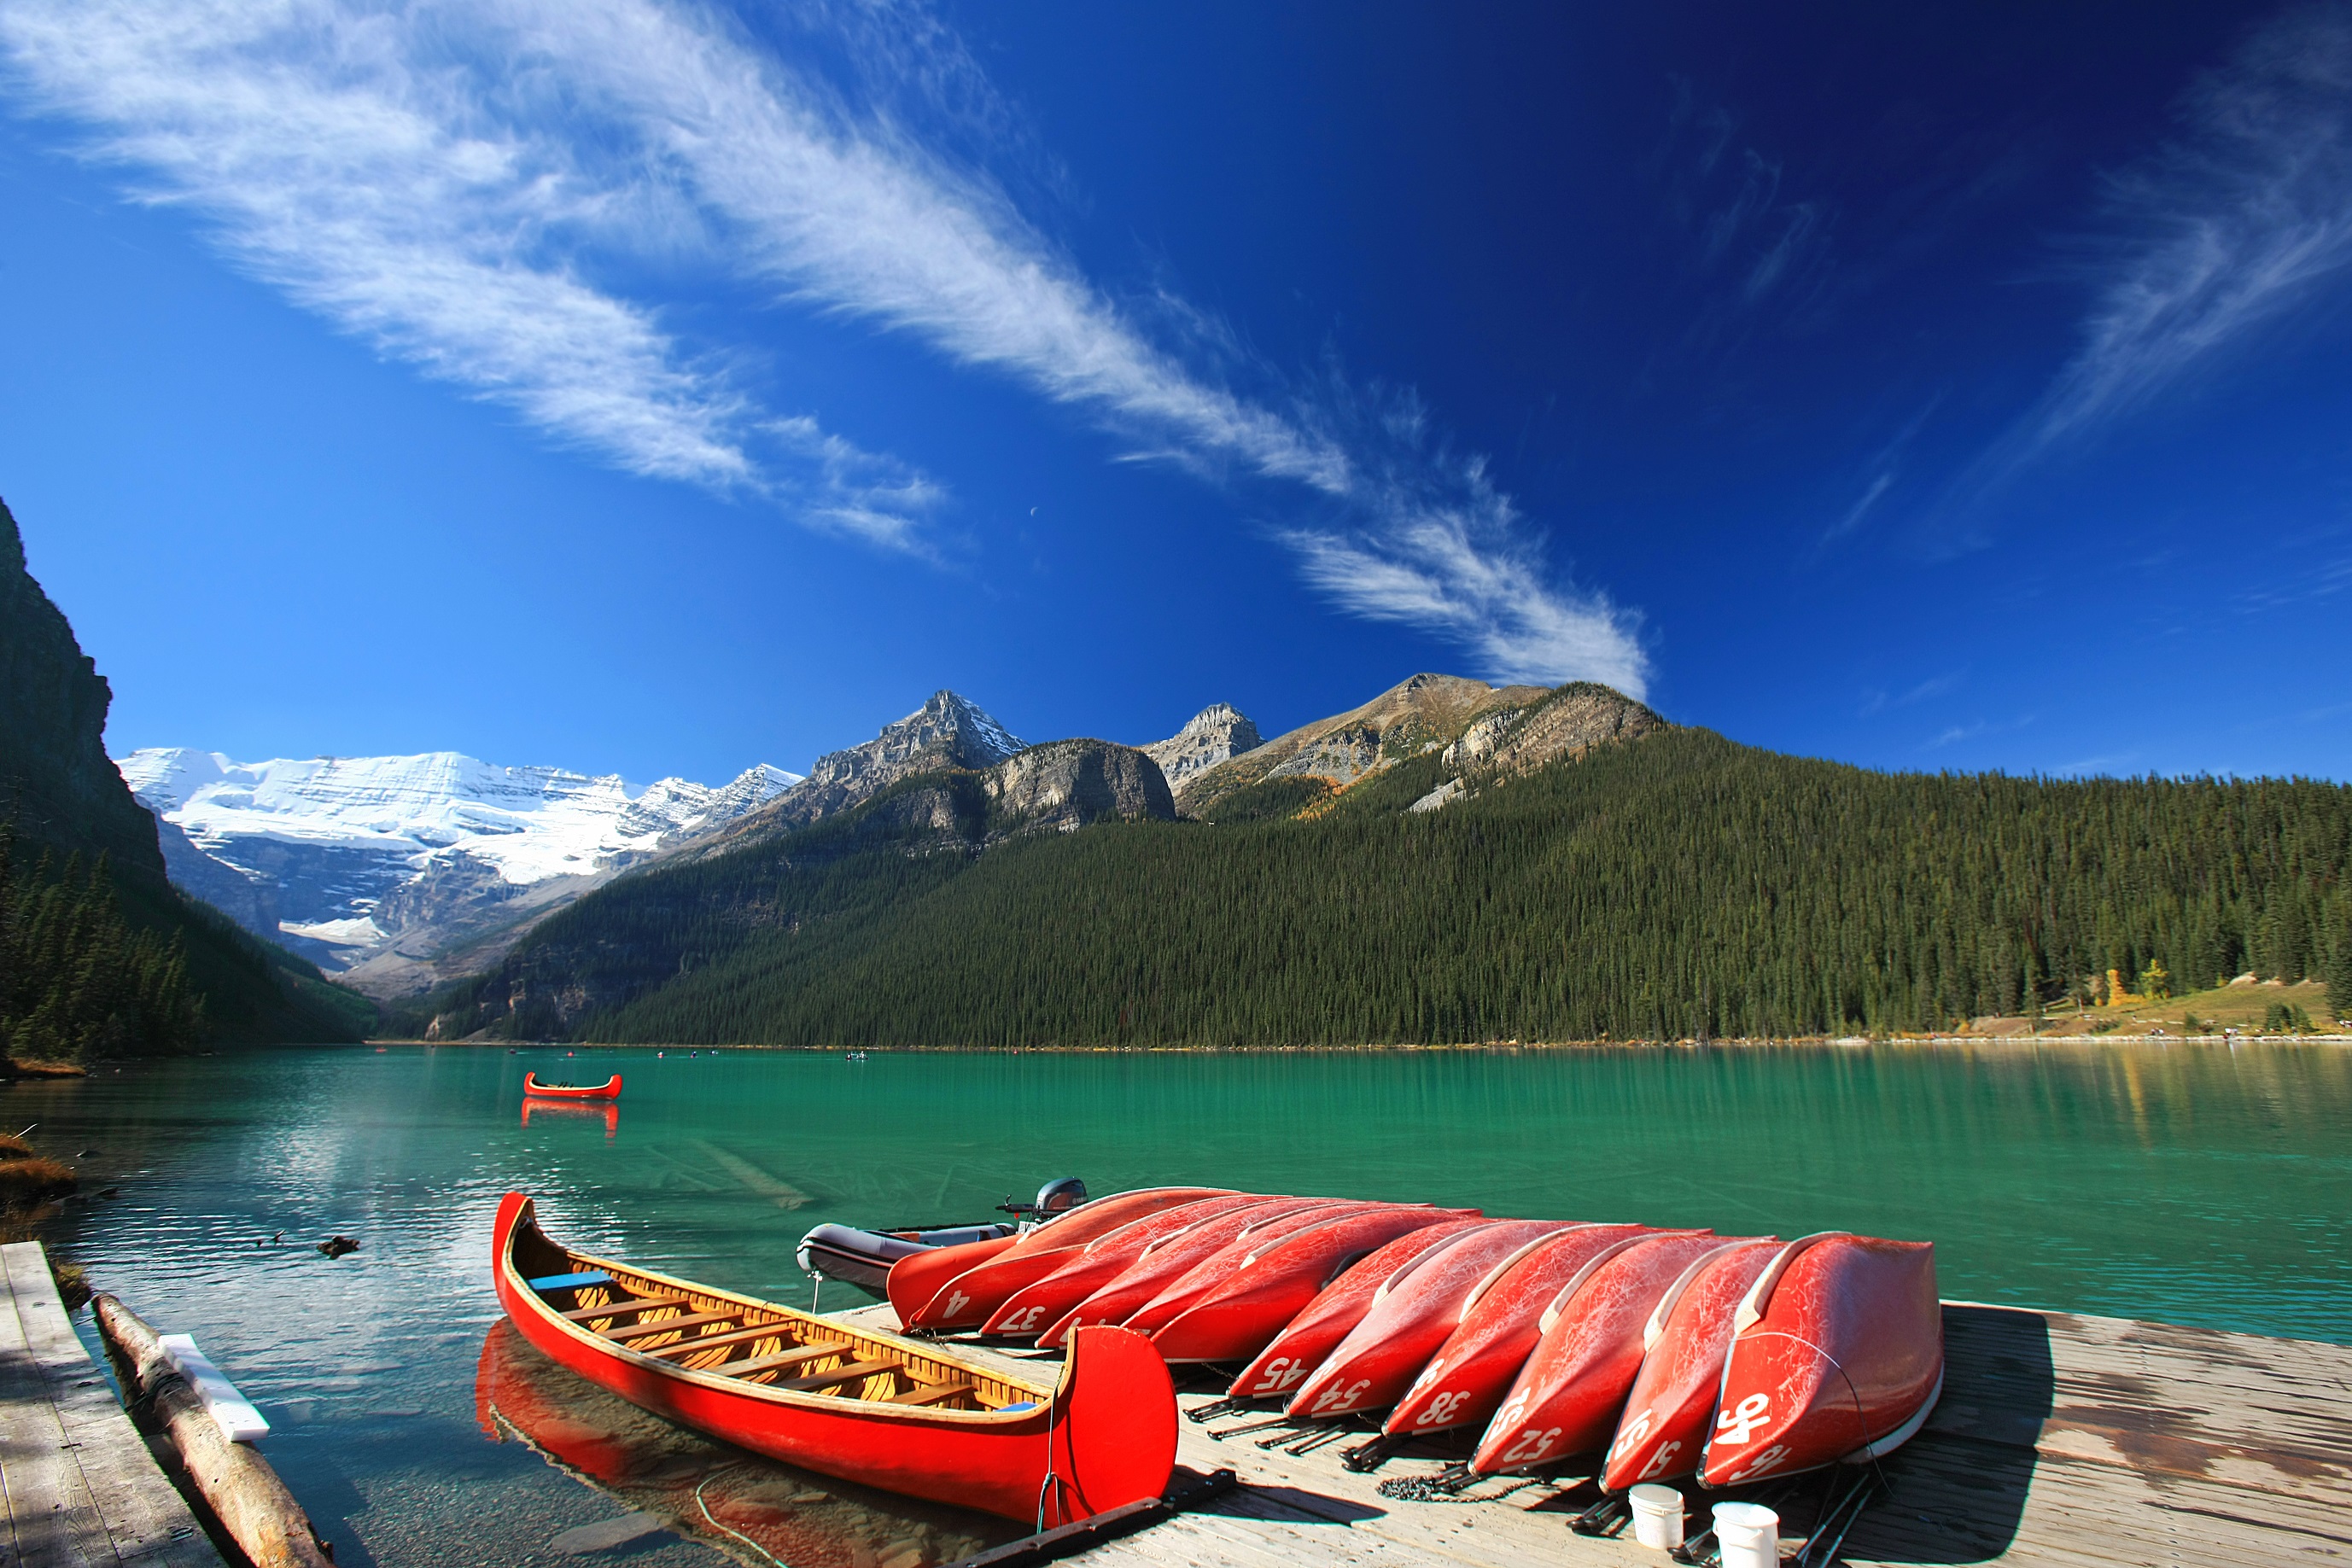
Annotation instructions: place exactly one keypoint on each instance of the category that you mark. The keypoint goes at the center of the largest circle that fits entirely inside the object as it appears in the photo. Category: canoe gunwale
(804, 1329)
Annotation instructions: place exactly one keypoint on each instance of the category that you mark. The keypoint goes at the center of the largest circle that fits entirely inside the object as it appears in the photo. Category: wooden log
(253, 1506)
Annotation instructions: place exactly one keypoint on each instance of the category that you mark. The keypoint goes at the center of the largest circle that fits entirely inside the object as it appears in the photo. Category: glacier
(353, 855)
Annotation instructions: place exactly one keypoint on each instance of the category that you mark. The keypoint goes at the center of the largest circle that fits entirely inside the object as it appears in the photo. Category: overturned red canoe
(1466, 1381)
(1213, 1270)
(1276, 1279)
(1035, 1308)
(608, 1090)
(889, 1412)
(1566, 1397)
(1671, 1403)
(1837, 1352)
(1308, 1339)
(1167, 1261)
(1409, 1317)
(940, 1296)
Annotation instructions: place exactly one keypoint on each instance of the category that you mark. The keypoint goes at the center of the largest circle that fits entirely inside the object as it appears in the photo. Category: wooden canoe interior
(764, 1345)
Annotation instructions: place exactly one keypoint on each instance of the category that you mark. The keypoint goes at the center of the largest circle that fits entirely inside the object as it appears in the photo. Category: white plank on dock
(78, 1483)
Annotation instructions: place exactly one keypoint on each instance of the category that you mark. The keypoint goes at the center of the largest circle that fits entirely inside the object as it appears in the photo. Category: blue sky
(656, 388)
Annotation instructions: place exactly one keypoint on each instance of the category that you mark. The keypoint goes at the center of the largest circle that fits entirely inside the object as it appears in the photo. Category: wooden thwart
(645, 1329)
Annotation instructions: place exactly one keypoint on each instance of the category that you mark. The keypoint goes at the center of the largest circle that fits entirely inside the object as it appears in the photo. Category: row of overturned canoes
(1663, 1353)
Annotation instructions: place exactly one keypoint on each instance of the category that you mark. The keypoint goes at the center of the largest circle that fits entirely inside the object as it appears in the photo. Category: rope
(1860, 1417)
(730, 1529)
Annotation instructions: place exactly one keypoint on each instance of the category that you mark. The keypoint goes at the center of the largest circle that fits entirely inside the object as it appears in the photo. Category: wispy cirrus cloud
(445, 181)
(2244, 215)
(392, 187)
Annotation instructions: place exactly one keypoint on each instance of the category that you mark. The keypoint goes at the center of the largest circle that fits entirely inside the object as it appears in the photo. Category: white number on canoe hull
(957, 1302)
(1442, 1408)
(1282, 1373)
(1762, 1464)
(1634, 1431)
(1025, 1323)
(1335, 1401)
(1734, 1427)
(1660, 1459)
(1533, 1448)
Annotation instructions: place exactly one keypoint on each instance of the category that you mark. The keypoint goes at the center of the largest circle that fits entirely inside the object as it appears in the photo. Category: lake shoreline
(1505, 1046)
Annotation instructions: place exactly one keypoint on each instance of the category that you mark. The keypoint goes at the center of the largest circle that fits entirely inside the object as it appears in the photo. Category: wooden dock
(77, 1481)
(2078, 1442)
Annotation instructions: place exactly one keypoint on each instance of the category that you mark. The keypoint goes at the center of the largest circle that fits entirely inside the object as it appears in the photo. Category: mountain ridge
(150, 968)
(373, 865)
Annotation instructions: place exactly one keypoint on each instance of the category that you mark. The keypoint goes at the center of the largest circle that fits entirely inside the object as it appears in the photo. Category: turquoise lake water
(2191, 1183)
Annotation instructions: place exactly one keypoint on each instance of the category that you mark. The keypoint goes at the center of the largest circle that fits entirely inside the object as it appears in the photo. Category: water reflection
(609, 1112)
(750, 1508)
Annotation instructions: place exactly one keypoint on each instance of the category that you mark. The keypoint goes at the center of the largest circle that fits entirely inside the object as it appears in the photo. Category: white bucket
(1657, 1516)
(1749, 1534)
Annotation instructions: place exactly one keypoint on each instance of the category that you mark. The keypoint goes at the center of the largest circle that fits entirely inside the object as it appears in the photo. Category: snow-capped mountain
(354, 855)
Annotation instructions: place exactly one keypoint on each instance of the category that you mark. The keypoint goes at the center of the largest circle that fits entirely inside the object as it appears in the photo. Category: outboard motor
(1054, 1200)
(1059, 1196)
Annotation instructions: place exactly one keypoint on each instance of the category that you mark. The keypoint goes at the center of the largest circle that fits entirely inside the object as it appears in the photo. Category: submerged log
(252, 1505)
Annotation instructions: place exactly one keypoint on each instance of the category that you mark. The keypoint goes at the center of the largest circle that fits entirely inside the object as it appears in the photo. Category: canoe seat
(782, 1358)
(570, 1281)
(855, 1372)
(933, 1392)
(623, 1308)
(718, 1341)
(642, 1329)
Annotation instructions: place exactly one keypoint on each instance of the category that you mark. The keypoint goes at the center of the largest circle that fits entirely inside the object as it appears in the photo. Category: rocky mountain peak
(949, 731)
(1218, 733)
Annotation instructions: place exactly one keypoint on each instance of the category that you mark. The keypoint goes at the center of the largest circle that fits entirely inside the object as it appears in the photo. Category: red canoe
(608, 1090)
(1566, 1397)
(1167, 1261)
(966, 1298)
(1275, 1280)
(1035, 1308)
(1837, 1352)
(1466, 1381)
(1672, 1402)
(1409, 1317)
(1307, 1340)
(879, 1409)
(1213, 1270)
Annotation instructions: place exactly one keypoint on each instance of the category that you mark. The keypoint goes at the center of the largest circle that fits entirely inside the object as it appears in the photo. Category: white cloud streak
(378, 185)
(2245, 216)
(431, 175)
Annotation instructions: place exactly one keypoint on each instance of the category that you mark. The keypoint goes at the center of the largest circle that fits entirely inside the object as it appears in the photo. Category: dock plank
(2062, 1441)
(80, 1484)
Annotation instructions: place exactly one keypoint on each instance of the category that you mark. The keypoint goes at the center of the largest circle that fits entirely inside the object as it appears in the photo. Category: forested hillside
(1676, 886)
(98, 953)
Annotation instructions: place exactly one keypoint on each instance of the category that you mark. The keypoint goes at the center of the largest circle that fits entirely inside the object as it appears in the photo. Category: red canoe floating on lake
(1671, 1403)
(608, 1090)
(1567, 1397)
(886, 1411)
(1837, 1352)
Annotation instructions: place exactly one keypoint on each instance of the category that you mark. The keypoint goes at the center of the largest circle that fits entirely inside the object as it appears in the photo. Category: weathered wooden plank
(144, 1516)
(52, 1517)
(2063, 1441)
